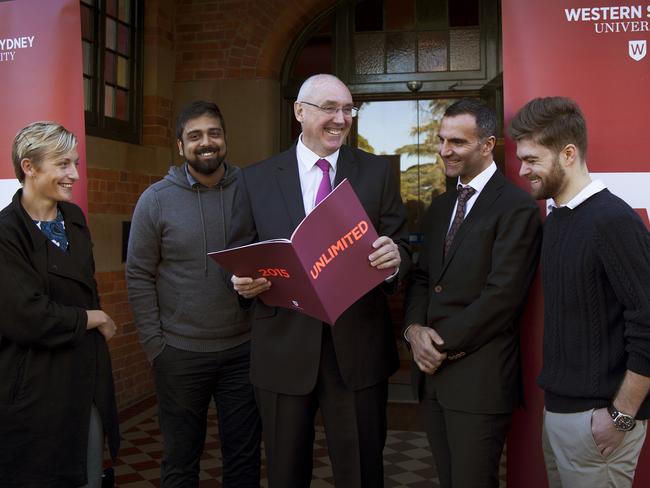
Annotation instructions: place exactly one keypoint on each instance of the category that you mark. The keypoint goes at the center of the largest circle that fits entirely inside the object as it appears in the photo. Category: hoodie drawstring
(205, 237)
(223, 218)
(223, 226)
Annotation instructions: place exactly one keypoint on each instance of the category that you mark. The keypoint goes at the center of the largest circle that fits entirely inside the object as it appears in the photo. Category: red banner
(595, 52)
(40, 78)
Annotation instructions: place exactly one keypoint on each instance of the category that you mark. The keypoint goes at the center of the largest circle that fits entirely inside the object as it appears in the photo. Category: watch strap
(622, 421)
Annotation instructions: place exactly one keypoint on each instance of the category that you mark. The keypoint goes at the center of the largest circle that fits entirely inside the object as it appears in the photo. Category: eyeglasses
(333, 109)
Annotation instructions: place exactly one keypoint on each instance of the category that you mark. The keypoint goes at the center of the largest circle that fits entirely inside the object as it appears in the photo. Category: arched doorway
(404, 61)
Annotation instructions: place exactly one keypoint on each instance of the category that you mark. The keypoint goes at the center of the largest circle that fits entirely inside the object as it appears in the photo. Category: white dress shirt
(310, 174)
(478, 183)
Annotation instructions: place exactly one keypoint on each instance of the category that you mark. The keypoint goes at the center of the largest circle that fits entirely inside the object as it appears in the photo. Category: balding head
(315, 83)
(319, 109)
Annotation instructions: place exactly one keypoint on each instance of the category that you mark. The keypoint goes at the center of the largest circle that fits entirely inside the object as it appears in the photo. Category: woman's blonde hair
(38, 141)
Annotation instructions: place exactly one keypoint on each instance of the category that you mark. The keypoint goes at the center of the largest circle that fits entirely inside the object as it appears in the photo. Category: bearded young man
(596, 278)
(190, 324)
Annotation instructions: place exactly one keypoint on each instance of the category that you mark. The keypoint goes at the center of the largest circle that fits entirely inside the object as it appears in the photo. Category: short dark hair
(553, 122)
(486, 119)
(194, 110)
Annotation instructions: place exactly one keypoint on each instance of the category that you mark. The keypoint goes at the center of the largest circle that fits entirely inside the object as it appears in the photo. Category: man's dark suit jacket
(286, 345)
(473, 297)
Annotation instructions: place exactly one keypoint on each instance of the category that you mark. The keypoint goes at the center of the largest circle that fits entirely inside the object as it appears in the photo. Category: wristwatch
(622, 421)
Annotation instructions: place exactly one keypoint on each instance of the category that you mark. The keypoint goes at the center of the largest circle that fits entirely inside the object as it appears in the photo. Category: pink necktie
(325, 186)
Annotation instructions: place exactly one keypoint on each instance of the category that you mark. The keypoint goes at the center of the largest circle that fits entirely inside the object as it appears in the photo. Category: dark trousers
(466, 446)
(355, 427)
(185, 383)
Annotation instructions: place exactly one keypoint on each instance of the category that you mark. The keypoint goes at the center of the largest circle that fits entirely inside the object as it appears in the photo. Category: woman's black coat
(51, 368)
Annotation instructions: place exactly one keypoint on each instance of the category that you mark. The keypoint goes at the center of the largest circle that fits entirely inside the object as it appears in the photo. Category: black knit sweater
(596, 276)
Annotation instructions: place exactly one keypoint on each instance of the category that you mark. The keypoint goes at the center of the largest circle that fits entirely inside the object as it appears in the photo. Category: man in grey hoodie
(189, 321)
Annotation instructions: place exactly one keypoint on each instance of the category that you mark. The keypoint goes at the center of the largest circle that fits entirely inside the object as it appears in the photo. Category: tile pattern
(407, 460)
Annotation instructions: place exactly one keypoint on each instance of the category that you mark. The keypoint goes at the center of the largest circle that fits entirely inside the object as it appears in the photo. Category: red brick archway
(238, 39)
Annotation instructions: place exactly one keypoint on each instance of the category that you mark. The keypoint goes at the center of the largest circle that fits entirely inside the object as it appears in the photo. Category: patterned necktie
(325, 186)
(464, 194)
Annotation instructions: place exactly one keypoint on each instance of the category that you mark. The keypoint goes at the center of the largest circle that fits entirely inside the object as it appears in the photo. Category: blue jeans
(185, 383)
(95, 449)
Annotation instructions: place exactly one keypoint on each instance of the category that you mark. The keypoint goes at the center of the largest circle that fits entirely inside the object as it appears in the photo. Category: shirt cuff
(392, 277)
(406, 332)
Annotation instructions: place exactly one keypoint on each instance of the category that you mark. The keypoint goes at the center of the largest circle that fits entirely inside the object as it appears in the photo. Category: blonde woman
(57, 401)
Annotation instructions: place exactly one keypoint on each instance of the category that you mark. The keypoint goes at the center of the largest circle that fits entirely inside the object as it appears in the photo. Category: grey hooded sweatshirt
(179, 296)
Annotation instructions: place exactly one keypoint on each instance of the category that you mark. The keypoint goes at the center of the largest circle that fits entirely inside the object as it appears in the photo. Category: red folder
(323, 268)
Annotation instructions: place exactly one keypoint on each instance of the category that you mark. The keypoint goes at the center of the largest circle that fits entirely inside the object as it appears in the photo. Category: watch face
(624, 422)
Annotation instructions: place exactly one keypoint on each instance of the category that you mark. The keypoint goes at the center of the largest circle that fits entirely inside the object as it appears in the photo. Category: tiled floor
(407, 460)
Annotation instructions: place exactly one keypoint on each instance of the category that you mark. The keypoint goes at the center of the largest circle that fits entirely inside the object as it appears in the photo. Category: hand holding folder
(324, 267)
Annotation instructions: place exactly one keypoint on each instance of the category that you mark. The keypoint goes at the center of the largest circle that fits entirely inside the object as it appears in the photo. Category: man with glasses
(300, 364)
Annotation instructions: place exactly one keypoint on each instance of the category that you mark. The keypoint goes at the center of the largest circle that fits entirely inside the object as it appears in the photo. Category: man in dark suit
(299, 364)
(479, 255)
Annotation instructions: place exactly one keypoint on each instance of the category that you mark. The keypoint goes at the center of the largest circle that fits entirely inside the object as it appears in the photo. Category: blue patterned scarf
(54, 230)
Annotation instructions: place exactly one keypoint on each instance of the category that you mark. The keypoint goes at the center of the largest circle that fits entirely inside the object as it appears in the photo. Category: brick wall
(231, 39)
(157, 102)
(157, 127)
(131, 370)
(158, 24)
(116, 192)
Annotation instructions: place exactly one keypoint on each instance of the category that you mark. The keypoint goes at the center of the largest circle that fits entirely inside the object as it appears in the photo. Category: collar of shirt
(310, 174)
(307, 158)
(481, 179)
(478, 183)
(192, 181)
(587, 192)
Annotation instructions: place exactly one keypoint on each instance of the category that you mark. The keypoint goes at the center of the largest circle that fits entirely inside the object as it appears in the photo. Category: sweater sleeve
(623, 245)
(29, 317)
(143, 258)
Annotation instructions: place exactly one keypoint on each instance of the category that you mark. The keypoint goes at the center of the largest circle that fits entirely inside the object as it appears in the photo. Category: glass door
(406, 132)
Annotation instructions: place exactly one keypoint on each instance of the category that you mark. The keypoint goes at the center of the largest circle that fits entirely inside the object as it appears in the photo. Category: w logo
(637, 50)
